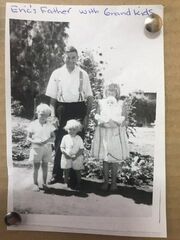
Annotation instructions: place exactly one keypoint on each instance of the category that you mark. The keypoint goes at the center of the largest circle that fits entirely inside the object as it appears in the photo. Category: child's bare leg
(35, 175)
(44, 171)
(114, 170)
(78, 178)
(36, 169)
(66, 175)
(106, 175)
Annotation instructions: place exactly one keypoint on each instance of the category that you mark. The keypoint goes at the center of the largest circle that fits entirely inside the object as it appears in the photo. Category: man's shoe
(45, 187)
(54, 180)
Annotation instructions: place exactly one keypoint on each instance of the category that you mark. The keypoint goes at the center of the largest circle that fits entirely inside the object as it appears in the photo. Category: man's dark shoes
(54, 180)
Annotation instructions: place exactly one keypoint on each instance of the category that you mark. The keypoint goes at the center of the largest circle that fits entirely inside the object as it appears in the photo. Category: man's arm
(89, 104)
(53, 106)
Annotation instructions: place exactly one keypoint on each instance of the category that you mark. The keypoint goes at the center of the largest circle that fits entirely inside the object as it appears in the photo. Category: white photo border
(154, 226)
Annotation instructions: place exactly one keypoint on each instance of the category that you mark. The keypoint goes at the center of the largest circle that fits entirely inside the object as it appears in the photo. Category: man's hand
(54, 120)
(89, 104)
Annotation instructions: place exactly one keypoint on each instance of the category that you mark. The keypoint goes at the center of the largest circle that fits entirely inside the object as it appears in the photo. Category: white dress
(110, 141)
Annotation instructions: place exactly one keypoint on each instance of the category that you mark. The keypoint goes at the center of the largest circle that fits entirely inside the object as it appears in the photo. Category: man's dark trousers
(65, 112)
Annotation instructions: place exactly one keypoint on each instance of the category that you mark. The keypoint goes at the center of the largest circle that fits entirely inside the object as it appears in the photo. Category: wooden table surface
(172, 91)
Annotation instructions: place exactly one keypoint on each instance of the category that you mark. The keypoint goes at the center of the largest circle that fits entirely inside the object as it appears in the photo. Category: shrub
(136, 171)
(20, 147)
(17, 108)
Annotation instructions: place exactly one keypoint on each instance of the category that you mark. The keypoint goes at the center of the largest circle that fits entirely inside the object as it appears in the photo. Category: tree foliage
(94, 70)
(144, 110)
(36, 49)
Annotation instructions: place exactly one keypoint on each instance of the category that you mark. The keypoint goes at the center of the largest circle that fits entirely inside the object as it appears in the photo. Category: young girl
(41, 135)
(72, 149)
(110, 142)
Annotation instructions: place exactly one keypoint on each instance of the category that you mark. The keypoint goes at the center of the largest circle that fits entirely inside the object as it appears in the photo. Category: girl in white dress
(110, 143)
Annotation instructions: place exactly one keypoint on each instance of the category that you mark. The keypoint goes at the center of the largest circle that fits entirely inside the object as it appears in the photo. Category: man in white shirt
(71, 97)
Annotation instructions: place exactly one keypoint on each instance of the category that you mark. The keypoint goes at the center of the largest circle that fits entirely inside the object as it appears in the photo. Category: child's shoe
(45, 187)
(113, 188)
(78, 187)
(35, 188)
(105, 186)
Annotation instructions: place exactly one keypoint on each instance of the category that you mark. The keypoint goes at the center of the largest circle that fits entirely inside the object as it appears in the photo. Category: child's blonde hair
(113, 87)
(42, 107)
(73, 123)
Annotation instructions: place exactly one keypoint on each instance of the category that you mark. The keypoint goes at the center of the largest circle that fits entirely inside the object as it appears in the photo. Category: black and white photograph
(85, 119)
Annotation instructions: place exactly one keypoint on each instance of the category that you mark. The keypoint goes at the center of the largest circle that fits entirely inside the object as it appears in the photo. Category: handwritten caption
(66, 10)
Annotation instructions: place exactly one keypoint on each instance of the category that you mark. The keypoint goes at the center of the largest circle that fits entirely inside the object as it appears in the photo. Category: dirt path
(127, 201)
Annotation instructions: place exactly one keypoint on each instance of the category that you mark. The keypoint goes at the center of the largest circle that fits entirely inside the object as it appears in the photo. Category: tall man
(70, 98)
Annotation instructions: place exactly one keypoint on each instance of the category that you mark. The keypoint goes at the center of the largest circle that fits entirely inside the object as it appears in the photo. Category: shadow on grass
(139, 196)
(66, 192)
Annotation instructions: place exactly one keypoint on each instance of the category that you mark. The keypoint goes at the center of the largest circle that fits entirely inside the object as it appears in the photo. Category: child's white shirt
(40, 132)
(72, 144)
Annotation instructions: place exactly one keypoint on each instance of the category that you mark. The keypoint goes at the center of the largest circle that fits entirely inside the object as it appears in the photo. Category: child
(72, 149)
(110, 142)
(41, 135)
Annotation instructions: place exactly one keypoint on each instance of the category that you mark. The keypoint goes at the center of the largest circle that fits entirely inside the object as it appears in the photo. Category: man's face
(71, 60)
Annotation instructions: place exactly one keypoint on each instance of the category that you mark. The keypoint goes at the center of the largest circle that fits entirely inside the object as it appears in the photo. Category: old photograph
(83, 115)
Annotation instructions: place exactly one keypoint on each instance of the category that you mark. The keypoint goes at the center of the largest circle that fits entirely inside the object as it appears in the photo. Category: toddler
(72, 151)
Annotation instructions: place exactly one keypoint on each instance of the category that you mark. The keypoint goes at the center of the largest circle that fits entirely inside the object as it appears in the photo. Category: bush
(20, 147)
(17, 108)
(144, 109)
(135, 171)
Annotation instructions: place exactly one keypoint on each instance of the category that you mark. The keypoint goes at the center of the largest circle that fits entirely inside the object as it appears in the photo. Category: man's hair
(69, 49)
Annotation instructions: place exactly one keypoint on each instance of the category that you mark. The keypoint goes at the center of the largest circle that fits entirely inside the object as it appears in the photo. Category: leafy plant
(36, 49)
(93, 68)
(20, 146)
(136, 171)
(17, 108)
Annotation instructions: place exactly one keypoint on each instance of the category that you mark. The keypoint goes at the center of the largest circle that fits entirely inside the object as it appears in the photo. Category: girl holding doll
(110, 143)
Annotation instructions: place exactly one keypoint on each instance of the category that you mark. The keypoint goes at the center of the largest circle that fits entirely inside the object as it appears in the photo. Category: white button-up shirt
(64, 85)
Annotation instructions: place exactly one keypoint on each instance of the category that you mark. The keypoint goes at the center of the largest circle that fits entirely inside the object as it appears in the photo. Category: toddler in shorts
(72, 151)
